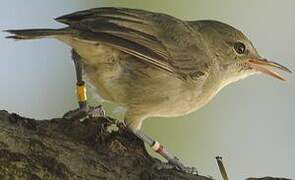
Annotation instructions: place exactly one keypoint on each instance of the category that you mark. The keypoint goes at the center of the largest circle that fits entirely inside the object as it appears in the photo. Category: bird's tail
(23, 34)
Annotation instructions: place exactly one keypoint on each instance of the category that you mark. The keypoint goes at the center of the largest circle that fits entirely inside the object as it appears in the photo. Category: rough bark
(71, 149)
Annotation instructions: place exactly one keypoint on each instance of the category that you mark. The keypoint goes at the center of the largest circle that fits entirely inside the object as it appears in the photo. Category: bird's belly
(103, 77)
(183, 104)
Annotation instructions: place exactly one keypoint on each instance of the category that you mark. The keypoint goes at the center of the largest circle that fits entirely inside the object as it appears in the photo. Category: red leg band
(160, 149)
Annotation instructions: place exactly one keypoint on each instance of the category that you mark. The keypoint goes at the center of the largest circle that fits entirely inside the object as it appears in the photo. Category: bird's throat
(229, 78)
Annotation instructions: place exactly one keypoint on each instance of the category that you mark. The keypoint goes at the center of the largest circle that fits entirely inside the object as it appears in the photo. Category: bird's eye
(240, 48)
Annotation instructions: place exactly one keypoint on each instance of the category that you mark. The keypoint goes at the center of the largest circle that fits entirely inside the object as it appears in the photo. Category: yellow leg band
(81, 93)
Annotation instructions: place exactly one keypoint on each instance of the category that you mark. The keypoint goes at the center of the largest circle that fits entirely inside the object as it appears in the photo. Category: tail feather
(22, 34)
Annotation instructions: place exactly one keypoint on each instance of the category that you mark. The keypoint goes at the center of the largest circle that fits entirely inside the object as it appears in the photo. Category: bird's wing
(161, 40)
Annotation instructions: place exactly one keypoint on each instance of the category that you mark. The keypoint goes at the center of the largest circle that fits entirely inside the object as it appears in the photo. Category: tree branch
(70, 149)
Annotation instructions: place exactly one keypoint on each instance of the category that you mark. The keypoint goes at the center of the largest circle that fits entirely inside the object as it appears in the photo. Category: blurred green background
(250, 123)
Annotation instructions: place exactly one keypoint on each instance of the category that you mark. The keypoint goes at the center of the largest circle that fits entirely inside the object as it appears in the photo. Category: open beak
(265, 66)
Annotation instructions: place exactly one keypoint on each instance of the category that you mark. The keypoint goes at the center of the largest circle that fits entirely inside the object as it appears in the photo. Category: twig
(221, 168)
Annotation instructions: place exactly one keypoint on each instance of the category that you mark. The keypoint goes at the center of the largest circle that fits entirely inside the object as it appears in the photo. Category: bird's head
(234, 53)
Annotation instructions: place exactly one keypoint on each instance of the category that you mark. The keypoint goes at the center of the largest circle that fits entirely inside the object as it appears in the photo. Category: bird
(153, 64)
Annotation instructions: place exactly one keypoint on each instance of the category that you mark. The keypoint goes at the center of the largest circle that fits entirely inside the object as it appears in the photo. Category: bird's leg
(80, 85)
(173, 161)
(84, 110)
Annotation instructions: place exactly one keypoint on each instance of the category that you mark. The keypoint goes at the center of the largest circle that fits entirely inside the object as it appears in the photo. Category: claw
(190, 170)
(85, 112)
(97, 111)
(162, 165)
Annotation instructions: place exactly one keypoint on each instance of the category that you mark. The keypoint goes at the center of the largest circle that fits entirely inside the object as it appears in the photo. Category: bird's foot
(118, 123)
(190, 170)
(160, 166)
(86, 112)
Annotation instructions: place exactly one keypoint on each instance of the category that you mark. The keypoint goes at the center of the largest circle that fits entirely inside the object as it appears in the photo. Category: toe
(161, 165)
(190, 170)
(97, 111)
